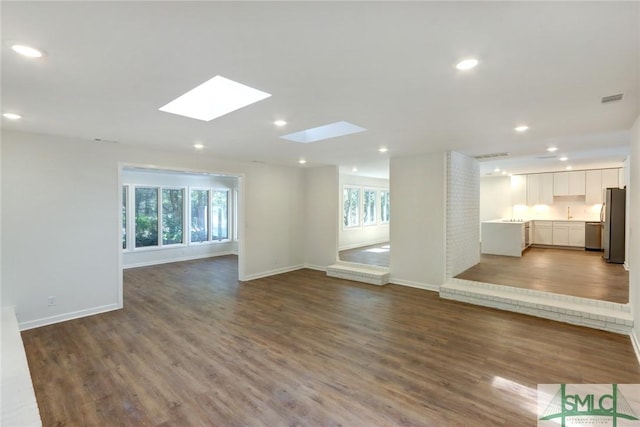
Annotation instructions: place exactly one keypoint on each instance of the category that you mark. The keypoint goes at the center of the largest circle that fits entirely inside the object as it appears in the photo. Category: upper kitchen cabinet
(597, 181)
(569, 183)
(518, 189)
(540, 189)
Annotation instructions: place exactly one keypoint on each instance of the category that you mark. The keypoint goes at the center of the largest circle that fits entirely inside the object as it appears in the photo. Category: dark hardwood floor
(561, 271)
(371, 255)
(195, 347)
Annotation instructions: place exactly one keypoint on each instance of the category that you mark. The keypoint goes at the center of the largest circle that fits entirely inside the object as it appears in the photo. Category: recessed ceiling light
(302, 161)
(279, 123)
(12, 116)
(569, 168)
(522, 128)
(214, 98)
(27, 51)
(552, 149)
(198, 146)
(467, 64)
(563, 158)
(354, 169)
(496, 170)
(504, 172)
(383, 149)
(332, 130)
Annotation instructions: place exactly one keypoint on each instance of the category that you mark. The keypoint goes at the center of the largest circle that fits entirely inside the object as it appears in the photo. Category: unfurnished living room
(320, 213)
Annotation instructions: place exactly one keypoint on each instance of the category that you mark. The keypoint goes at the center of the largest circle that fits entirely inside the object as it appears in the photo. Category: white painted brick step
(603, 315)
(371, 274)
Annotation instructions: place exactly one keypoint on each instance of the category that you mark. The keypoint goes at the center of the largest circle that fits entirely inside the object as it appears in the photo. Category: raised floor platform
(371, 274)
(608, 316)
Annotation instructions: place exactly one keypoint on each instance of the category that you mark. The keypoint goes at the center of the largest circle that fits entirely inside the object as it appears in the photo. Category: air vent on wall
(611, 98)
(490, 156)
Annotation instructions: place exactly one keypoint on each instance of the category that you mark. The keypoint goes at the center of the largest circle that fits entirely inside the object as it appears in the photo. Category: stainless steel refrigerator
(613, 217)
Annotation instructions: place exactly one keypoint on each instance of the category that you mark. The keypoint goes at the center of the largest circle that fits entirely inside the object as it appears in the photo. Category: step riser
(359, 273)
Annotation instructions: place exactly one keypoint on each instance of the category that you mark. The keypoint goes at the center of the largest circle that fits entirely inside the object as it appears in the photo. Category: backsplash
(559, 210)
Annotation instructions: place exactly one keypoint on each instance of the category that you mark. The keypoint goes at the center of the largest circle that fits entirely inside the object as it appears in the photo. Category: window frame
(358, 208)
(376, 203)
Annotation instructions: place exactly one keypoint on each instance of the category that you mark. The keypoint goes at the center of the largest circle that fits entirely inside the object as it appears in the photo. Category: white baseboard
(635, 341)
(316, 267)
(425, 286)
(626, 265)
(273, 272)
(181, 259)
(67, 316)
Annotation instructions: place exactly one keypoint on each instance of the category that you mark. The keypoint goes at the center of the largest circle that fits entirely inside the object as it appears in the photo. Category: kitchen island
(504, 237)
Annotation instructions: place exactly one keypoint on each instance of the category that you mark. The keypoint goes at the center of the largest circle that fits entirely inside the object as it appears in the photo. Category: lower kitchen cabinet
(542, 233)
(568, 233)
(560, 233)
(576, 234)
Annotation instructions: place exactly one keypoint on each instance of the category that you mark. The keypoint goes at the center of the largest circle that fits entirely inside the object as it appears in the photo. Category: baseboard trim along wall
(273, 272)
(181, 259)
(67, 316)
(635, 342)
(418, 285)
(316, 267)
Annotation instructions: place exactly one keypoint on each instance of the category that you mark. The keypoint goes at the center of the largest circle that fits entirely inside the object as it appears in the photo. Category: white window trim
(377, 205)
(359, 208)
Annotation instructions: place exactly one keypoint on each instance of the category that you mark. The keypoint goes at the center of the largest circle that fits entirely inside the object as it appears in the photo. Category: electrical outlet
(51, 301)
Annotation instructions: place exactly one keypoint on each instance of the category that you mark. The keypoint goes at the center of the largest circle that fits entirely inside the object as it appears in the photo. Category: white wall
(495, 197)
(61, 220)
(634, 233)
(418, 224)
(149, 256)
(354, 237)
(463, 213)
(322, 207)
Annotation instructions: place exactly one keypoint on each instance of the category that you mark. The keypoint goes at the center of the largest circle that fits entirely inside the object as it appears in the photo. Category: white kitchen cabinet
(576, 234)
(543, 232)
(569, 183)
(593, 194)
(561, 233)
(518, 189)
(610, 178)
(540, 189)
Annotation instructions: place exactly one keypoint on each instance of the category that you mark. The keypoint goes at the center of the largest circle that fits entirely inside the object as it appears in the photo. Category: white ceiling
(385, 66)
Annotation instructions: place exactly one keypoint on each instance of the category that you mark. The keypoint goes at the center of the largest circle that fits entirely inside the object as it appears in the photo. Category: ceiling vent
(490, 156)
(611, 98)
(547, 157)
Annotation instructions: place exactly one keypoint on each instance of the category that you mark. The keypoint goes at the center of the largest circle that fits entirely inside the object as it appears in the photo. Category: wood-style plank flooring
(370, 255)
(195, 347)
(561, 271)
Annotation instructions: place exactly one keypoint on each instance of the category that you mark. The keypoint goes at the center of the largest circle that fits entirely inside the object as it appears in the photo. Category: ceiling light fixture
(302, 161)
(332, 130)
(12, 116)
(552, 149)
(522, 128)
(496, 170)
(214, 98)
(198, 146)
(383, 149)
(569, 168)
(354, 169)
(504, 172)
(467, 64)
(563, 158)
(279, 123)
(28, 51)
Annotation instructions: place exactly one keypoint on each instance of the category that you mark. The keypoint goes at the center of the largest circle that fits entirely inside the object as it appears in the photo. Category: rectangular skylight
(331, 130)
(214, 98)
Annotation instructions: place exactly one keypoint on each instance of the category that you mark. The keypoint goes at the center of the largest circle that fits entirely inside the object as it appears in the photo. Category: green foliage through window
(146, 200)
(172, 216)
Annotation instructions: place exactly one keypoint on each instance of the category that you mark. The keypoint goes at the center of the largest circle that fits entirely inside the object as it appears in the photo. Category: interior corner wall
(355, 237)
(322, 217)
(417, 220)
(633, 187)
(463, 213)
(61, 220)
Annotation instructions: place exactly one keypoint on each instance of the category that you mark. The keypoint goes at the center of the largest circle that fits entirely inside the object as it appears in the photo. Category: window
(146, 200)
(172, 216)
(384, 206)
(351, 206)
(370, 201)
(219, 215)
(199, 215)
(125, 194)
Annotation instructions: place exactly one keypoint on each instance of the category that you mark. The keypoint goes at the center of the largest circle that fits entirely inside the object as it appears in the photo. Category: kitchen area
(559, 231)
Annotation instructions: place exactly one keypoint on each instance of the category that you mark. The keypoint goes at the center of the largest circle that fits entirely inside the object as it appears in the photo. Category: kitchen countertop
(518, 221)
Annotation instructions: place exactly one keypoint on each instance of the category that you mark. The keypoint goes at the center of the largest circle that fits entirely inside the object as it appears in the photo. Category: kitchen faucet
(569, 213)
